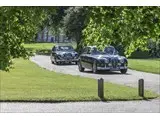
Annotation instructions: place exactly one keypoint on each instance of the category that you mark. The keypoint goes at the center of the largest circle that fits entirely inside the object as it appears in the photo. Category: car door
(89, 59)
(53, 53)
(86, 60)
(83, 57)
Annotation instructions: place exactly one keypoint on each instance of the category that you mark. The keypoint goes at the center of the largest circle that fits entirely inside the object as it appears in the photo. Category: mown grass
(28, 82)
(39, 48)
(44, 48)
(39, 45)
(145, 65)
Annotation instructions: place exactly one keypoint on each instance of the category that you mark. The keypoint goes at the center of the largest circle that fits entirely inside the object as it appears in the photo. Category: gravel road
(83, 107)
(152, 81)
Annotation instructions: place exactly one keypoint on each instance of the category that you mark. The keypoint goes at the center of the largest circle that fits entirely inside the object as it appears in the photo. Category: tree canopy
(130, 27)
(17, 25)
(74, 22)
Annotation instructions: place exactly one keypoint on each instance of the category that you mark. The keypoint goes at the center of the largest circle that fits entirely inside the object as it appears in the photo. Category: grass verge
(28, 82)
(145, 65)
(44, 48)
(39, 48)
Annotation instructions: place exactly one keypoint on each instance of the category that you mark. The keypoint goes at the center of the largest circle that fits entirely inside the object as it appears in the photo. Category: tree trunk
(42, 37)
(47, 36)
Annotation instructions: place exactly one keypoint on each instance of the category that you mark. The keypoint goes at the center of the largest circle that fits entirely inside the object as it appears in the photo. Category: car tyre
(94, 67)
(55, 62)
(123, 71)
(52, 62)
(81, 69)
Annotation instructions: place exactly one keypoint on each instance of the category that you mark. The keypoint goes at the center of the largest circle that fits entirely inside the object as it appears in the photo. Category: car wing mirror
(116, 52)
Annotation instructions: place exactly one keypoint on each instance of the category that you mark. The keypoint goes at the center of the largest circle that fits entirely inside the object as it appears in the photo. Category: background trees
(18, 25)
(74, 22)
(129, 27)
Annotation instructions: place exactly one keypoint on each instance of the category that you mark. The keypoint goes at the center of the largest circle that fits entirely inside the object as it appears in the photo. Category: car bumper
(112, 68)
(67, 60)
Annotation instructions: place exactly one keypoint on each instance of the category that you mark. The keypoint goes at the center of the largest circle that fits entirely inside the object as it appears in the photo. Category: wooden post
(101, 88)
(141, 87)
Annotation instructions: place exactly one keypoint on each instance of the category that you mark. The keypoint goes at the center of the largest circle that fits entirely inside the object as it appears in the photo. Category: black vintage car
(63, 54)
(108, 60)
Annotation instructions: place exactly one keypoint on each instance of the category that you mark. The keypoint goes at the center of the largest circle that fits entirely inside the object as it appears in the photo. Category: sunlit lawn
(146, 65)
(26, 82)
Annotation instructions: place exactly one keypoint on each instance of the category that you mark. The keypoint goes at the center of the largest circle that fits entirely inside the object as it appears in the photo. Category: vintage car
(63, 54)
(108, 60)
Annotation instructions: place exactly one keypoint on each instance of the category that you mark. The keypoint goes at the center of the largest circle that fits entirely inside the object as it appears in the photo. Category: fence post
(101, 88)
(141, 87)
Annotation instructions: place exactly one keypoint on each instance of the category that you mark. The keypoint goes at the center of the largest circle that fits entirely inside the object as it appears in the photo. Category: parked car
(63, 54)
(107, 60)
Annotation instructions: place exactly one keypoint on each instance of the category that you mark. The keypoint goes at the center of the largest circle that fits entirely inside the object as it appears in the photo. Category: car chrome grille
(68, 55)
(114, 62)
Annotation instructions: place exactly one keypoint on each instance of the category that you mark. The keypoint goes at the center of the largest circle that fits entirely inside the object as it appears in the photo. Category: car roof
(92, 46)
(63, 46)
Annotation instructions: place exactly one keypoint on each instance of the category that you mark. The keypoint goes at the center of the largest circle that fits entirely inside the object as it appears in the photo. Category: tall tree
(17, 25)
(130, 27)
(74, 22)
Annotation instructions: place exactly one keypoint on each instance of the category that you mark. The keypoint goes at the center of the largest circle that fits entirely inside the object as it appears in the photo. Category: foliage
(145, 65)
(55, 20)
(28, 82)
(154, 48)
(74, 22)
(128, 27)
(18, 25)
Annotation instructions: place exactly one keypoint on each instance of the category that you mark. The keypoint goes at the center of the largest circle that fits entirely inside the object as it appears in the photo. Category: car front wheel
(123, 71)
(52, 62)
(55, 62)
(81, 69)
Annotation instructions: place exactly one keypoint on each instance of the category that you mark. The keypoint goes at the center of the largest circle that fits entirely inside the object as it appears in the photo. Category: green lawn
(26, 82)
(39, 48)
(146, 65)
(39, 45)
(44, 48)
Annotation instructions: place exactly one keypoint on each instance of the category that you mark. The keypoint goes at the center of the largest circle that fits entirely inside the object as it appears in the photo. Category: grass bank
(39, 48)
(44, 48)
(145, 65)
(28, 82)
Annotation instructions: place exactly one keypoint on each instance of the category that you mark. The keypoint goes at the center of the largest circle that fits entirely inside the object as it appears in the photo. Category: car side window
(85, 50)
(53, 49)
(89, 50)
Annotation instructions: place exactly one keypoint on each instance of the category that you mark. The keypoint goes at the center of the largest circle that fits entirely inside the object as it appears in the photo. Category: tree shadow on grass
(65, 101)
(39, 51)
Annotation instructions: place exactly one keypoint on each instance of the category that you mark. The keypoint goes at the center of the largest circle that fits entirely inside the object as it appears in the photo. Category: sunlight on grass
(146, 65)
(27, 81)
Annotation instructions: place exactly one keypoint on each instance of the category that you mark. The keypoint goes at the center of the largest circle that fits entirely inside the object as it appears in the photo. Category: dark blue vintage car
(63, 54)
(108, 60)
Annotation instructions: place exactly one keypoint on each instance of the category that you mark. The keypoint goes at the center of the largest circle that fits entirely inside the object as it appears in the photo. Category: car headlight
(121, 60)
(59, 55)
(106, 61)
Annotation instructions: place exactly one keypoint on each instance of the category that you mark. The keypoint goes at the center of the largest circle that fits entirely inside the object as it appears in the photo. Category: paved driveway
(152, 81)
(89, 107)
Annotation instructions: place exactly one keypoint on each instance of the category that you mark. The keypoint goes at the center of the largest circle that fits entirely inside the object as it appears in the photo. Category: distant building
(46, 36)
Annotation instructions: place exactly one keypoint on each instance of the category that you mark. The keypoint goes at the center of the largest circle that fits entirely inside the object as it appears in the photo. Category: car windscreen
(94, 51)
(110, 51)
(65, 48)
